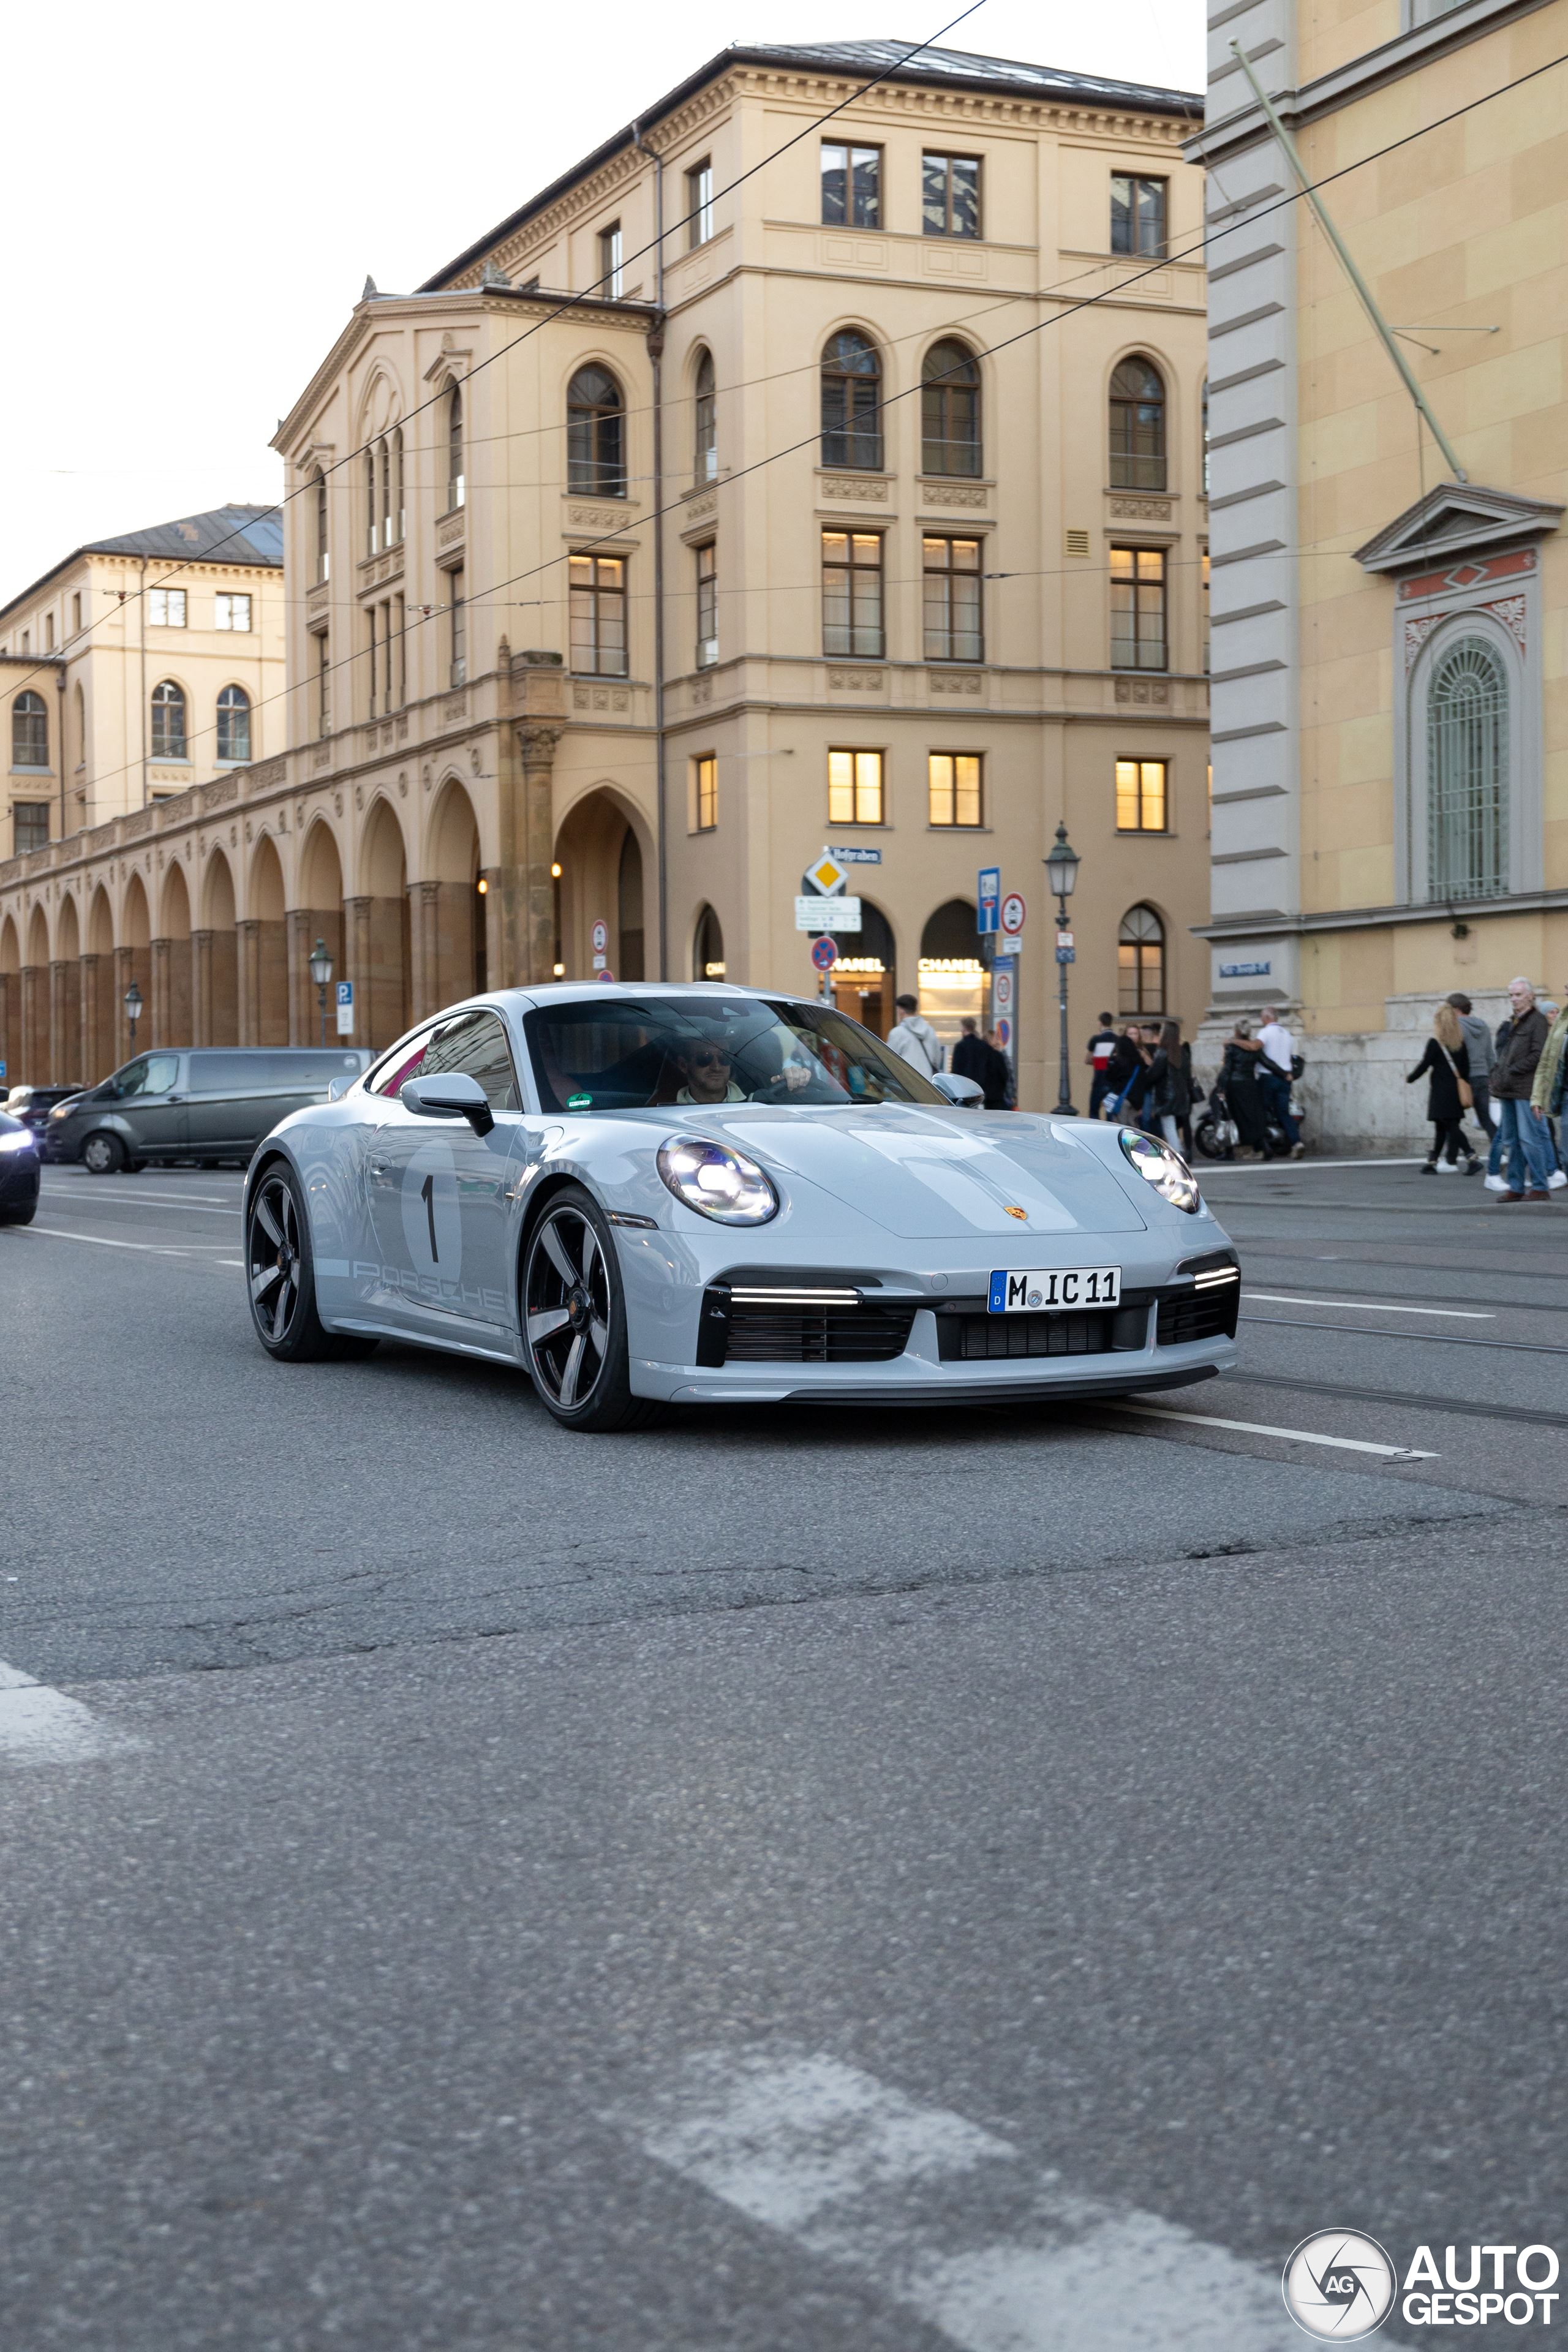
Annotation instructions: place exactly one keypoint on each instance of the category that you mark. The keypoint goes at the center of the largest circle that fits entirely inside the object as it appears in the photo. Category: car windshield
(623, 1053)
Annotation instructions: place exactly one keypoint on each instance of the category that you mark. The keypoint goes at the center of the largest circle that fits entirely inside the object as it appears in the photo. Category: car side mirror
(451, 1095)
(961, 1092)
(340, 1086)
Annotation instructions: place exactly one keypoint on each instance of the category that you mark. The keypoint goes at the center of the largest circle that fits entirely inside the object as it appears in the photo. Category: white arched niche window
(1468, 815)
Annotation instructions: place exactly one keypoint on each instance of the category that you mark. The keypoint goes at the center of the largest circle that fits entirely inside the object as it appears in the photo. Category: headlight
(1164, 1168)
(62, 1110)
(716, 1181)
(21, 1141)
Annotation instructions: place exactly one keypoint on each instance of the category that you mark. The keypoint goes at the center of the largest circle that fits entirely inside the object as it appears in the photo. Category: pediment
(1455, 519)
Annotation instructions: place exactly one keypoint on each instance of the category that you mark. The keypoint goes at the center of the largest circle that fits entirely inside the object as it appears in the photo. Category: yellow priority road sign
(827, 874)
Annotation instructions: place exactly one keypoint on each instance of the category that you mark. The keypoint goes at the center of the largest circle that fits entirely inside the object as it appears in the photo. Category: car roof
(573, 991)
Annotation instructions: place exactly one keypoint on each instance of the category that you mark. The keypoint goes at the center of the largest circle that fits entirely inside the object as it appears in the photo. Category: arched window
(324, 555)
(234, 723)
(1467, 773)
(949, 410)
(29, 732)
(1141, 962)
(708, 947)
(705, 465)
(456, 484)
(1137, 427)
(851, 403)
(168, 721)
(370, 530)
(383, 504)
(595, 433)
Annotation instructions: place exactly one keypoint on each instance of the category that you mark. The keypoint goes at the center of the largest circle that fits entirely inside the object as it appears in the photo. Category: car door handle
(378, 1167)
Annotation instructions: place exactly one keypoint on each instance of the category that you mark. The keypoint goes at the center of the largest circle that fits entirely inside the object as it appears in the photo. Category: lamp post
(321, 974)
(132, 1003)
(1061, 872)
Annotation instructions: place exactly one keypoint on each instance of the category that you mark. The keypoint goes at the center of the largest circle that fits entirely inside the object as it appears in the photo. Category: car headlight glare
(21, 1141)
(716, 1181)
(1164, 1168)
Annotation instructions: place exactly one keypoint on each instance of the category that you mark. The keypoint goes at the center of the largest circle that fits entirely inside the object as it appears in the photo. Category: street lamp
(132, 1002)
(321, 974)
(1061, 872)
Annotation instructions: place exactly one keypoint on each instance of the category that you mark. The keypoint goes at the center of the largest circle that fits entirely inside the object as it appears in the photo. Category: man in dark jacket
(1523, 1136)
(974, 1058)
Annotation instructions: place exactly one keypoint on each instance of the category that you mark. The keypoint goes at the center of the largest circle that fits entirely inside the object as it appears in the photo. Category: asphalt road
(782, 1880)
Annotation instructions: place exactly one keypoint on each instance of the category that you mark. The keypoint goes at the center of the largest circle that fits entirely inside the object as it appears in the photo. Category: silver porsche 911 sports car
(709, 1195)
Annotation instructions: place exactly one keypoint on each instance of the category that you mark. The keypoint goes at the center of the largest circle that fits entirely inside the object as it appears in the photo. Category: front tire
(19, 1217)
(103, 1155)
(575, 1319)
(281, 1275)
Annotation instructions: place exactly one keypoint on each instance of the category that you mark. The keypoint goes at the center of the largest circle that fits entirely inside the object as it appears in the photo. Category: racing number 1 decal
(428, 1194)
(432, 1215)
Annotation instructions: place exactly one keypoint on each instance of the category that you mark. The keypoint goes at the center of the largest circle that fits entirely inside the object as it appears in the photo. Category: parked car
(32, 1105)
(206, 1103)
(18, 1171)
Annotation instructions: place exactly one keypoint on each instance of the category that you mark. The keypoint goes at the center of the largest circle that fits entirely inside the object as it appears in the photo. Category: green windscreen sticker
(579, 1102)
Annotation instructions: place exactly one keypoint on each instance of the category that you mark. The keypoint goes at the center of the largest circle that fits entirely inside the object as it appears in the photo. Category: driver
(707, 1074)
(707, 1070)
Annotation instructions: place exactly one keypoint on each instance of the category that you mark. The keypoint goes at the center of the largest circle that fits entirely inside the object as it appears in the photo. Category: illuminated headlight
(1164, 1168)
(21, 1141)
(716, 1181)
(62, 1110)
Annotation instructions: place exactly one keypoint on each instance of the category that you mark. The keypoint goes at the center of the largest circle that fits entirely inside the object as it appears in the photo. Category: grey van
(206, 1103)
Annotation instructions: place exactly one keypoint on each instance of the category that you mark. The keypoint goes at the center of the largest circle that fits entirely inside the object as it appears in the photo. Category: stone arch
(35, 1054)
(451, 949)
(381, 951)
(603, 880)
(951, 976)
(708, 946)
(317, 914)
(66, 1065)
(133, 962)
(865, 979)
(172, 963)
(10, 1000)
(264, 951)
(98, 969)
(218, 957)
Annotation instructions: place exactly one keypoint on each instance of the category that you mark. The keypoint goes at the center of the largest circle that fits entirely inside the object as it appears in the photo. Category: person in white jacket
(913, 1039)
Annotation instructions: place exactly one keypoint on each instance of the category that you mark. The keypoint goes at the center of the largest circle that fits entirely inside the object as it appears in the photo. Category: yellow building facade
(1390, 780)
(732, 499)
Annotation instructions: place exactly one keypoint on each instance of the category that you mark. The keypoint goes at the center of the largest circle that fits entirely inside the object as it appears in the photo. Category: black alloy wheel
(280, 1277)
(102, 1154)
(573, 1319)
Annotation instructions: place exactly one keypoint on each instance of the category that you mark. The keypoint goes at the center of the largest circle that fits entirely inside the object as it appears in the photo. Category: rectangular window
(852, 594)
(1138, 608)
(48, 633)
(1141, 796)
(76, 614)
(231, 612)
(855, 788)
(953, 786)
(705, 792)
(1137, 215)
(30, 826)
(707, 605)
(369, 616)
(598, 593)
(851, 185)
(402, 653)
(165, 608)
(610, 273)
(700, 202)
(323, 687)
(949, 195)
(953, 629)
(26, 641)
(1203, 594)
(459, 620)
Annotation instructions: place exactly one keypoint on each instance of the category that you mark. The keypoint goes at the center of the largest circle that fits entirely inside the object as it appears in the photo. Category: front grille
(792, 1322)
(1091, 1331)
(1202, 1314)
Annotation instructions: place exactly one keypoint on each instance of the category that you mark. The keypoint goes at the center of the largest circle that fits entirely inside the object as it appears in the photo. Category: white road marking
(1265, 1429)
(1298, 1167)
(136, 1201)
(860, 2175)
(40, 1725)
(1373, 1306)
(104, 1241)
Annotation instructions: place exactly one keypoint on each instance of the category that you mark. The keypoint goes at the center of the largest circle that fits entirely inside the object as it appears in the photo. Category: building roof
(249, 535)
(878, 60)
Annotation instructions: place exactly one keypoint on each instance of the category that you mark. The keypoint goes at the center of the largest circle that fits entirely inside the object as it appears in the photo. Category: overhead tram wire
(607, 545)
(572, 302)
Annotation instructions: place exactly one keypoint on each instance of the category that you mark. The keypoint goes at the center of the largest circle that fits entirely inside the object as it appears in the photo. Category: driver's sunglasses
(711, 1058)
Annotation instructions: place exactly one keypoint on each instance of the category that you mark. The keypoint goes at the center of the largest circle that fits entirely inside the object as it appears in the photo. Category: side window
(163, 1073)
(130, 1080)
(403, 1062)
(476, 1044)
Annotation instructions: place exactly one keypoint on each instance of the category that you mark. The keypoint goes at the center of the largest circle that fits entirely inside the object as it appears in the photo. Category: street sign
(827, 914)
(1002, 990)
(2, 1069)
(824, 955)
(826, 875)
(857, 857)
(345, 1008)
(601, 936)
(1005, 1006)
(1004, 1033)
(1064, 938)
(990, 894)
(1012, 913)
(1067, 955)
(603, 975)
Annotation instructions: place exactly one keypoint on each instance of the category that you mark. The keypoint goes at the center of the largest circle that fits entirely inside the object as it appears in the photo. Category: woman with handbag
(1446, 1066)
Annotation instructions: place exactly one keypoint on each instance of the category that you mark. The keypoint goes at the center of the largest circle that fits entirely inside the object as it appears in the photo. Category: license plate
(1059, 1286)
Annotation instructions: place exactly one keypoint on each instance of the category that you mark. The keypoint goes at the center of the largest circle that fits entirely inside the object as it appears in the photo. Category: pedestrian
(1129, 1073)
(1446, 1065)
(913, 1039)
(1195, 1097)
(1101, 1045)
(968, 1058)
(1546, 1094)
(1170, 1096)
(1524, 1139)
(1478, 1038)
(1000, 1086)
(1119, 1070)
(1275, 1072)
(1238, 1078)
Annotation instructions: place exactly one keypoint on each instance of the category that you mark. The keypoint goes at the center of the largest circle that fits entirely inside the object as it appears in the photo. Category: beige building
(1390, 783)
(691, 520)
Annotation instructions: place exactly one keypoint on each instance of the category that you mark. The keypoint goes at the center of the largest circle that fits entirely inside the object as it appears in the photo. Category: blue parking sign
(990, 900)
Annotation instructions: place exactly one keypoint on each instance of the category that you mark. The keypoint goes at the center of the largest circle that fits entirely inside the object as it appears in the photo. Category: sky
(193, 197)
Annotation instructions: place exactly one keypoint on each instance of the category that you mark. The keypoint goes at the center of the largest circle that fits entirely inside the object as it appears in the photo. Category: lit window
(168, 721)
(949, 195)
(598, 597)
(165, 608)
(705, 794)
(954, 784)
(851, 185)
(1141, 796)
(700, 202)
(852, 593)
(855, 788)
(1138, 608)
(707, 605)
(952, 610)
(231, 612)
(610, 272)
(1137, 215)
(234, 724)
